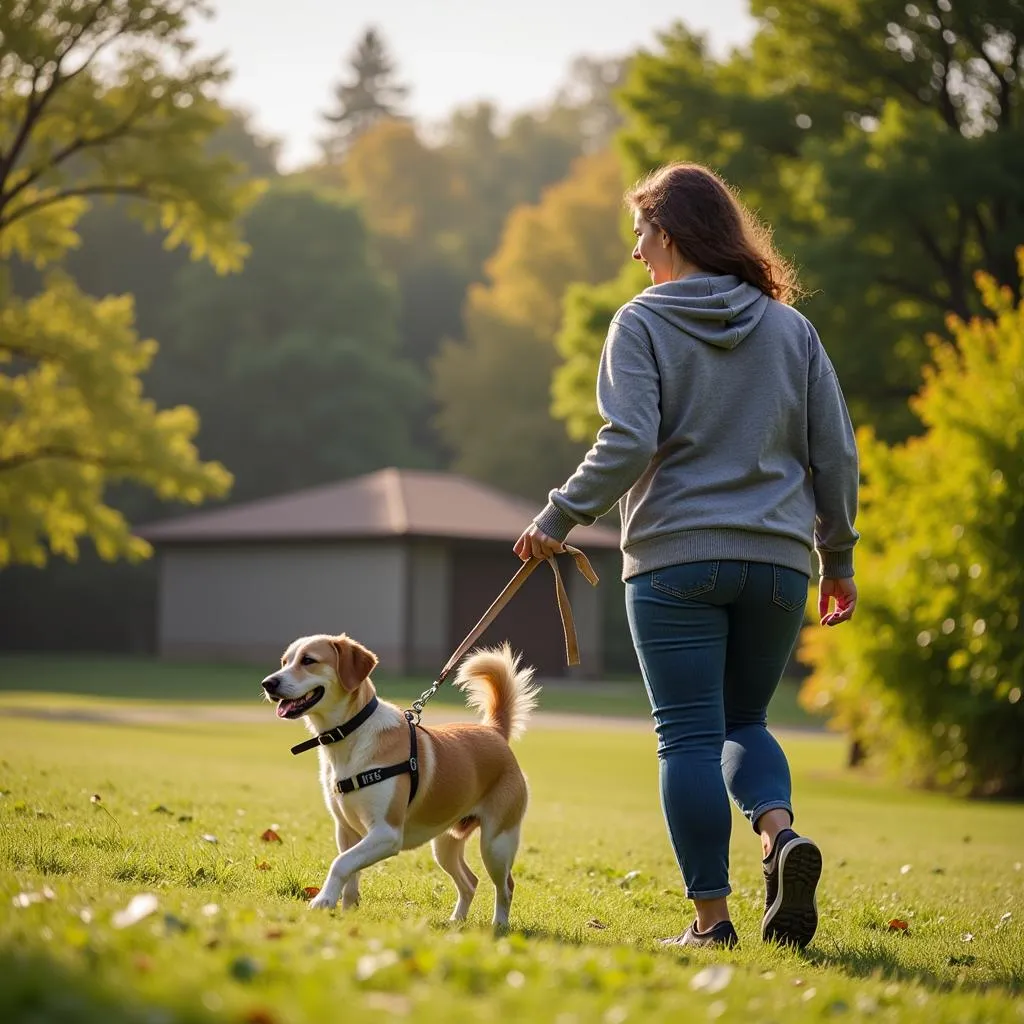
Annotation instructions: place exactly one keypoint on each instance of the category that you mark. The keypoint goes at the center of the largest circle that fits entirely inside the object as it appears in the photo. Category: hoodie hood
(719, 309)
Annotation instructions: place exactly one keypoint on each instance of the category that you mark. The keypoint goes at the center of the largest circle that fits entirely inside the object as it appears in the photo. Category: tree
(927, 678)
(494, 387)
(371, 94)
(293, 363)
(91, 105)
(884, 142)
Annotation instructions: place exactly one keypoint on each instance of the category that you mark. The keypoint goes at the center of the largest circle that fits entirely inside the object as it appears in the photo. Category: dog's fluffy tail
(499, 689)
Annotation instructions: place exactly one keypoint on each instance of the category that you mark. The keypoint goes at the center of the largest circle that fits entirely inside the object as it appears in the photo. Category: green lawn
(231, 940)
(105, 676)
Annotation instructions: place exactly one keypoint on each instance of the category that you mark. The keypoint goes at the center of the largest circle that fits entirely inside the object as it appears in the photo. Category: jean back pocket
(687, 581)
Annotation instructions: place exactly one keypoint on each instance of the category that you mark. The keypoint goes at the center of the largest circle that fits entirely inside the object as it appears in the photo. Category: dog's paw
(323, 901)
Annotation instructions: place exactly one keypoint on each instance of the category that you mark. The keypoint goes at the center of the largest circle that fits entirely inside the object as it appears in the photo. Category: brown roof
(388, 503)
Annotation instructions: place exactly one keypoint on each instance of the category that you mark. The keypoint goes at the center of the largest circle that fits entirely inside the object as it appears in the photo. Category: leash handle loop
(572, 650)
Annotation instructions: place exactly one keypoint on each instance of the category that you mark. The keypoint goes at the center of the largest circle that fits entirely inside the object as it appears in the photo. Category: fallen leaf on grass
(965, 960)
(712, 979)
(139, 907)
(26, 899)
(259, 1016)
(906, 869)
(631, 876)
(263, 866)
(1005, 919)
(208, 838)
(595, 923)
(898, 925)
(367, 966)
(270, 836)
(311, 890)
(244, 968)
(273, 933)
(389, 1003)
(967, 937)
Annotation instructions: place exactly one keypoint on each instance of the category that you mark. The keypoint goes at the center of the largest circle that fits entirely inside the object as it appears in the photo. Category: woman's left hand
(534, 543)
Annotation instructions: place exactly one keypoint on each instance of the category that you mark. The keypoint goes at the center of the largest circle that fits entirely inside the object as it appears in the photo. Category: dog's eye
(307, 660)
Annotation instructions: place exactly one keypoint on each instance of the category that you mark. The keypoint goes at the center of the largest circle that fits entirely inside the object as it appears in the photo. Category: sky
(285, 56)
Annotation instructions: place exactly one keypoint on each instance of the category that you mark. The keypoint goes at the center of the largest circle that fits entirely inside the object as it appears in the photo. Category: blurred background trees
(437, 295)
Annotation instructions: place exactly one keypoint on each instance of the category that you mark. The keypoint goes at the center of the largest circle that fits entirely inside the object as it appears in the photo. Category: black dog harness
(374, 775)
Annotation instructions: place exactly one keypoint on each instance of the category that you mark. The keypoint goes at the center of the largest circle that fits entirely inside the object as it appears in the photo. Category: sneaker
(791, 873)
(721, 934)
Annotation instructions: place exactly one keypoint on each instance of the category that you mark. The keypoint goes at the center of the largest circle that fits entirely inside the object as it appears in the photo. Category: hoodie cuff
(554, 522)
(836, 564)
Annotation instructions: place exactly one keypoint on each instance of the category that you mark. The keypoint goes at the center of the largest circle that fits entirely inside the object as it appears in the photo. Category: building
(404, 561)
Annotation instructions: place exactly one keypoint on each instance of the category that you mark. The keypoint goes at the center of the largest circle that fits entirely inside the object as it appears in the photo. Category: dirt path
(152, 715)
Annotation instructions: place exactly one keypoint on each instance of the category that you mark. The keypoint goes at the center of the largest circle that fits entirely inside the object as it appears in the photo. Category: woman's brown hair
(712, 229)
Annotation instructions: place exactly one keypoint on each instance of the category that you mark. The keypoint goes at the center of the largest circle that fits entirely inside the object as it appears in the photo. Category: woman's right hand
(843, 591)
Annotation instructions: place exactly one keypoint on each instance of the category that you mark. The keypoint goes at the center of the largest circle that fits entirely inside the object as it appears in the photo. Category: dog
(446, 782)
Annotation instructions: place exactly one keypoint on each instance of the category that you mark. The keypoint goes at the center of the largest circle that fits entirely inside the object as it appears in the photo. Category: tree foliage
(371, 93)
(885, 143)
(98, 98)
(494, 387)
(293, 363)
(928, 676)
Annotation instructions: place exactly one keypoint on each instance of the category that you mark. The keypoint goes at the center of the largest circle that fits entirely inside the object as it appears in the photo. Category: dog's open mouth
(292, 707)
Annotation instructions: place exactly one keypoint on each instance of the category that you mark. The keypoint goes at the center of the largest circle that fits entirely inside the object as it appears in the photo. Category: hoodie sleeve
(834, 466)
(629, 401)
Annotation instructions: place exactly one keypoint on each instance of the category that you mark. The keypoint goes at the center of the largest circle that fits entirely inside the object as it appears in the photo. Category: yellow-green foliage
(929, 675)
(99, 98)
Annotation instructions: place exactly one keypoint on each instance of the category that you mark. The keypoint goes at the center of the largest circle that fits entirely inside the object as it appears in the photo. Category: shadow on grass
(34, 988)
(965, 973)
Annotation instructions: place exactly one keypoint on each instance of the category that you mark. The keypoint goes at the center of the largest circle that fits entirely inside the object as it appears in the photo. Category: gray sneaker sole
(793, 918)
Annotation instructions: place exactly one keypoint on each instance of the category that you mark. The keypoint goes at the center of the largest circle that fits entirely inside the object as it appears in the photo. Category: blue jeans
(713, 639)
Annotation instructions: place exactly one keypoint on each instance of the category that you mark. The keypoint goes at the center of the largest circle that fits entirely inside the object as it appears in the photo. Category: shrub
(928, 677)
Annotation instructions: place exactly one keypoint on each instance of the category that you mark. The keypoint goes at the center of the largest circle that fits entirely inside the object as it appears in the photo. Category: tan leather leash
(572, 650)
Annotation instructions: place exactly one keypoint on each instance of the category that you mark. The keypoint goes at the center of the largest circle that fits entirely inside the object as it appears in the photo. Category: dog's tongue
(284, 707)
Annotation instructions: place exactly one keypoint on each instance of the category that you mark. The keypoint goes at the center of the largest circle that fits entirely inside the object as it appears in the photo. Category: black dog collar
(339, 732)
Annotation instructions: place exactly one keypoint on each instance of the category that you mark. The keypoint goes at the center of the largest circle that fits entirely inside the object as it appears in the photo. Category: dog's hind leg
(449, 854)
(499, 852)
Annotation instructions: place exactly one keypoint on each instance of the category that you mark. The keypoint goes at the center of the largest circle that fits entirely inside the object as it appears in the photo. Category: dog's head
(318, 672)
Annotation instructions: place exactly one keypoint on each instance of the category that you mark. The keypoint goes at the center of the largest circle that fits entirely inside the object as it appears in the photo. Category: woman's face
(653, 249)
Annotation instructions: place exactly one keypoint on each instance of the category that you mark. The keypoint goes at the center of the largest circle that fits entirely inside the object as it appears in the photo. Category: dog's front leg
(380, 842)
(346, 838)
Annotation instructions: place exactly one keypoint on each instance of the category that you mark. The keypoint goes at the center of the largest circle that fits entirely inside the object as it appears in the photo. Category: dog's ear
(355, 662)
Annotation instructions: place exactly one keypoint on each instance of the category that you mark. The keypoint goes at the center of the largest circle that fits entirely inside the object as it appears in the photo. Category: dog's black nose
(271, 683)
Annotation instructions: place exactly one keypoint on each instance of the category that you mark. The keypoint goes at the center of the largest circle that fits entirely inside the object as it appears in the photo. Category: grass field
(140, 678)
(231, 940)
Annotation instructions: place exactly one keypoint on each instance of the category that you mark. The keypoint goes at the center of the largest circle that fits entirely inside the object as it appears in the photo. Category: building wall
(587, 613)
(249, 601)
(430, 581)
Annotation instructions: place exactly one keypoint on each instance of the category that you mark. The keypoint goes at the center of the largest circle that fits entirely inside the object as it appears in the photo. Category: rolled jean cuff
(708, 894)
(770, 805)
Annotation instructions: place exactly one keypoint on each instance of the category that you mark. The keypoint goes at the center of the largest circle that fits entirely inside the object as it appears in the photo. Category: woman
(728, 445)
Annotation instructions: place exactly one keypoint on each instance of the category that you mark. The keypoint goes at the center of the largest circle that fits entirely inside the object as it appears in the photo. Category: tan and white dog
(468, 776)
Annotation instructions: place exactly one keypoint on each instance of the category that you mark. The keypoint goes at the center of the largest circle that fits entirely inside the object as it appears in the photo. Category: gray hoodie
(726, 435)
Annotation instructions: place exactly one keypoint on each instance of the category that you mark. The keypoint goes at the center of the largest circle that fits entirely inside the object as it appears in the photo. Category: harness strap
(339, 732)
(375, 775)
